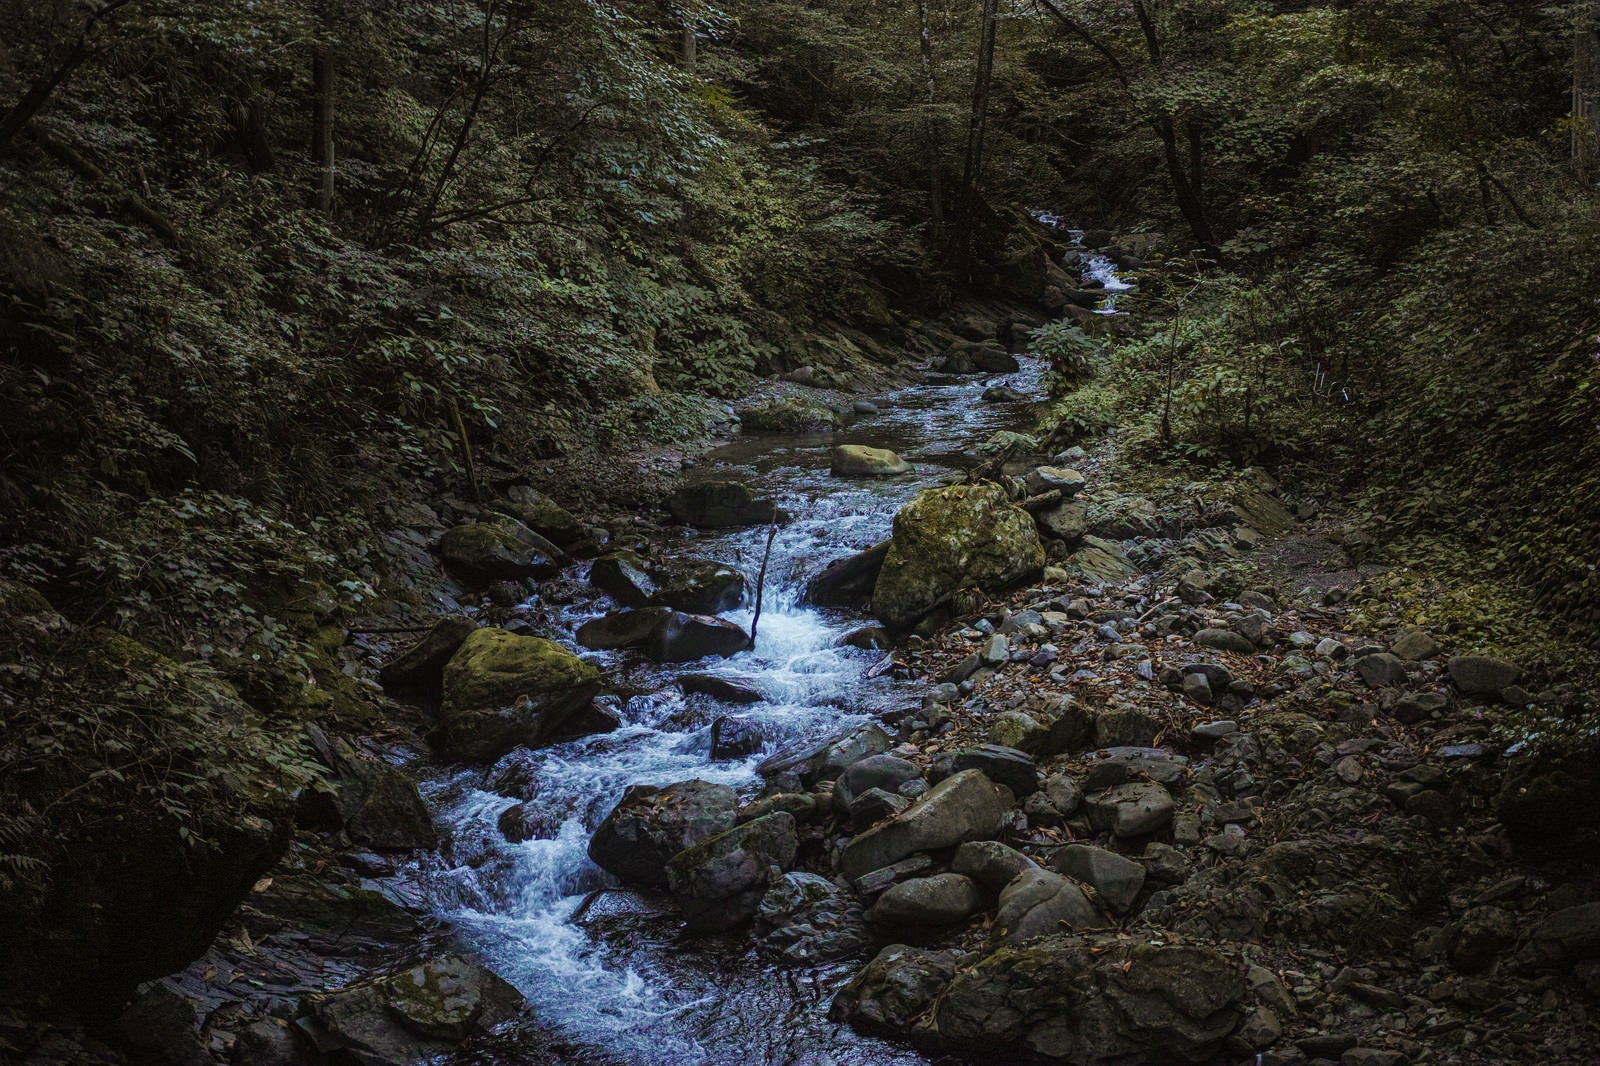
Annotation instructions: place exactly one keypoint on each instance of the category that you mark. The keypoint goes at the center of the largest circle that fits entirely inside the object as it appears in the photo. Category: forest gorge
(1074, 521)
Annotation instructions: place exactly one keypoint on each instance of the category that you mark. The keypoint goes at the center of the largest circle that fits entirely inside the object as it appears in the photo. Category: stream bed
(620, 980)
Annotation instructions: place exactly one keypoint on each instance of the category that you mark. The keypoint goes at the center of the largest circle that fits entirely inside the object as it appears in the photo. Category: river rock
(1115, 878)
(1566, 936)
(792, 414)
(1380, 669)
(895, 989)
(735, 738)
(718, 688)
(805, 919)
(1131, 810)
(1062, 479)
(498, 547)
(1225, 640)
(839, 754)
(721, 505)
(527, 821)
(978, 357)
(1415, 643)
(420, 668)
(858, 460)
(501, 690)
(697, 586)
(410, 1016)
(966, 806)
(1065, 522)
(942, 899)
(650, 825)
(991, 864)
(950, 539)
(1085, 1001)
(719, 883)
(1003, 394)
(622, 629)
(872, 807)
(848, 582)
(1101, 560)
(684, 638)
(1119, 765)
(1480, 675)
(1039, 903)
(1004, 766)
(547, 518)
(884, 771)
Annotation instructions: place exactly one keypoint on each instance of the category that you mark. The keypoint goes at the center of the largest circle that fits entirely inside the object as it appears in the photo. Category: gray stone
(1064, 794)
(893, 990)
(721, 505)
(1041, 903)
(1381, 669)
(872, 807)
(1116, 879)
(1131, 810)
(650, 825)
(966, 806)
(805, 920)
(1004, 766)
(1197, 688)
(1125, 728)
(882, 771)
(942, 899)
(719, 883)
(1210, 732)
(498, 548)
(858, 460)
(1225, 640)
(1480, 675)
(1123, 764)
(1415, 643)
(991, 864)
(1054, 478)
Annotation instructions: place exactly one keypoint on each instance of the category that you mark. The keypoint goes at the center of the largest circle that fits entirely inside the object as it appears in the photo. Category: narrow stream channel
(624, 981)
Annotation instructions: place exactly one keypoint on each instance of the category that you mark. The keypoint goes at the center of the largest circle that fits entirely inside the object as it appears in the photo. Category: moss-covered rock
(546, 517)
(792, 414)
(498, 548)
(502, 689)
(858, 460)
(950, 539)
(722, 504)
(700, 586)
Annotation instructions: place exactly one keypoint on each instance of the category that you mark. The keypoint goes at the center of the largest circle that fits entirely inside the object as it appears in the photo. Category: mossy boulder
(722, 504)
(858, 460)
(699, 586)
(502, 689)
(498, 548)
(546, 517)
(792, 414)
(651, 825)
(950, 539)
(718, 883)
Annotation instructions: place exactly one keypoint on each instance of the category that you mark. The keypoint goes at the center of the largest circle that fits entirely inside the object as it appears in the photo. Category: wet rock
(502, 690)
(525, 821)
(684, 638)
(1225, 640)
(858, 460)
(1480, 675)
(1004, 766)
(848, 582)
(879, 880)
(420, 668)
(1003, 394)
(805, 920)
(719, 883)
(872, 807)
(894, 990)
(991, 864)
(1040, 903)
(622, 629)
(864, 407)
(1065, 480)
(697, 586)
(950, 539)
(1381, 669)
(722, 505)
(547, 518)
(942, 899)
(803, 805)
(978, 357)
(882, 771)
(650, 825)
(498, 547)
(791, 414)
(718, 688)
(1066, 522)
(840, 753)
(966, 806)
(1082, 1000)
(868, 638)
(409, 1016)
(381, 806)
(1131, 810)
(1116, 879)
(268, 1042)
(735, 738)
(161, 1025)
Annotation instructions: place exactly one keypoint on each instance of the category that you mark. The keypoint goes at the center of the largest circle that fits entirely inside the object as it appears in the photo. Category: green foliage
(1071, 353)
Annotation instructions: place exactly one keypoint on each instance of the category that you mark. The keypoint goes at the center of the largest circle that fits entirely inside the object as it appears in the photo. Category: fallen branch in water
(761, 578)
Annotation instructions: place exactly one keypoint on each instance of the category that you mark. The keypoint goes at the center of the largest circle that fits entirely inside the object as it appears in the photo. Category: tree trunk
(930, 130)
(322, 78)
(1185, 192)
(1585, 67)
(976, 130)
(691, 46)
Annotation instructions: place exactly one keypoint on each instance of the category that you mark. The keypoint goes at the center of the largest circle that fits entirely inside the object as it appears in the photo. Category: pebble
(1215, 730)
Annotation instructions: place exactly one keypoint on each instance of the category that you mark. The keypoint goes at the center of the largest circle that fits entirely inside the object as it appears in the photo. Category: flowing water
(621, 982)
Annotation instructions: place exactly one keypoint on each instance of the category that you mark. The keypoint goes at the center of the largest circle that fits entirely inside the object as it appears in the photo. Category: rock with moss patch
(894, 992)
(793, 414)
(650, 825)
(547, 518)
(950, 539)
(496, 548)
(502, 689)
(700, 586)
(719, 883)
(1482, 675)
(965, 806)
(1101, 560)
(858, 460)
(420, 668)
(722, 504)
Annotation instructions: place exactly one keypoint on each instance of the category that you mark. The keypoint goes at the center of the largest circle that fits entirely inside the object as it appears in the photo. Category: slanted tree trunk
(930, 129)
(1585, 70)
(18, 115)
(322, 79)
(976, 129)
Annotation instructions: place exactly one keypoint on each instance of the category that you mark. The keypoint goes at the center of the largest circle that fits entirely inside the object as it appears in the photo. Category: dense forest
(324, 320)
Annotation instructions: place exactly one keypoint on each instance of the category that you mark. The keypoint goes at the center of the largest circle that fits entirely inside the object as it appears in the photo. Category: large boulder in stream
(498, 548)
(722, 505)
(651, 825)
(719, 883)
(848, 582)
(858, 460)
(792, 414)
(699, 586)
(950, 539)
(502, 690)
(665, 635)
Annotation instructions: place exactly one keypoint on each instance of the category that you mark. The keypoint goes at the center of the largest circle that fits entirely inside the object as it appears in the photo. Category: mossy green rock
(858, 460)
(545, 517)
(792, 414)
(499, 548)
(699, 586)
(502, 690)
(950, 539)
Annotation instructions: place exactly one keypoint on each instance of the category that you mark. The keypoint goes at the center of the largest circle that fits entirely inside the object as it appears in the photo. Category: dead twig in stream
(761, 578)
